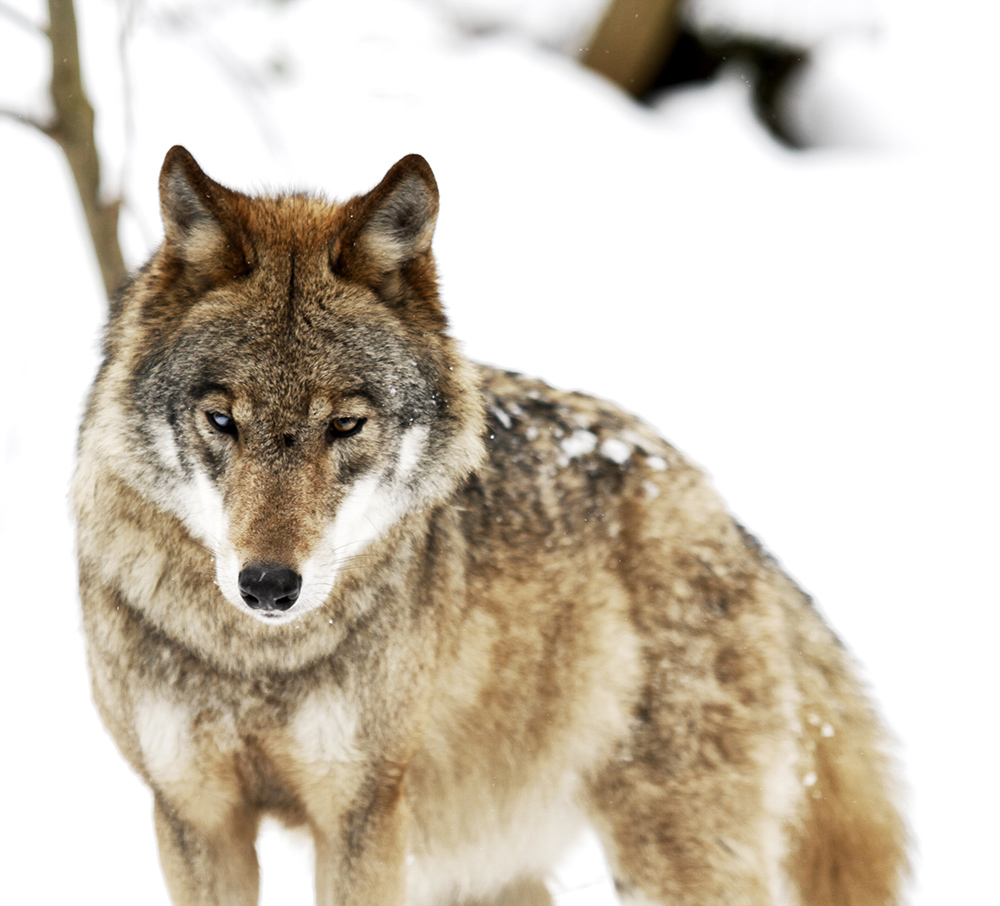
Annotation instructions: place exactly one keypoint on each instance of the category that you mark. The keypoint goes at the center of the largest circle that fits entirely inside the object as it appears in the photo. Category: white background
(818, 329)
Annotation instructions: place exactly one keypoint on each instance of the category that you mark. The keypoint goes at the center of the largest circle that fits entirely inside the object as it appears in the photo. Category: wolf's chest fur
(436, 614)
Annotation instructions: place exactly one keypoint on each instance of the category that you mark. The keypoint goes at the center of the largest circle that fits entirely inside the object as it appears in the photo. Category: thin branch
(73, 129)
(21, 20)
(126, 14)
(26, 119)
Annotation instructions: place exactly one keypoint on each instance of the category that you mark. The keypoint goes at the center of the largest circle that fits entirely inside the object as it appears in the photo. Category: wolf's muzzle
(267, 587)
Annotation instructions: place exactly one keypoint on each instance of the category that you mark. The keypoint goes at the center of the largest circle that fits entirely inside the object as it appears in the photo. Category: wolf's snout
(266, 587)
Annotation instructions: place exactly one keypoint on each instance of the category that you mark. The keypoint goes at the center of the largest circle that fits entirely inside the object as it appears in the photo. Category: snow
(616, 450)
(501, 416)
(579, 443)
(819, 330)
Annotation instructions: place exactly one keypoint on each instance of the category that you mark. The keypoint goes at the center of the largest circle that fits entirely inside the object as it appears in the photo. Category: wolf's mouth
(275, 618)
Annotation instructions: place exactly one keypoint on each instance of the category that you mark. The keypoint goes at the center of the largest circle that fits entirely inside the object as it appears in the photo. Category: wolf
(438, 615)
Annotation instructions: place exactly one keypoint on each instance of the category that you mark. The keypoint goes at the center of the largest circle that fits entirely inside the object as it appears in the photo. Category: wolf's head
(287, 383)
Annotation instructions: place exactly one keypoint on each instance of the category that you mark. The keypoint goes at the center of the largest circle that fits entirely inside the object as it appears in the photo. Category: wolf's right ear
(200, 220)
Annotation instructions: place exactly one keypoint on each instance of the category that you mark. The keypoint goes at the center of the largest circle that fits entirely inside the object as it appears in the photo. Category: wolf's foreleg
(208, 866)
(360, 836)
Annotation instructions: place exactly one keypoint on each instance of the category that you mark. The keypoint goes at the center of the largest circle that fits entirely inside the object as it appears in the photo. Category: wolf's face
(293, 389)
(292, 449)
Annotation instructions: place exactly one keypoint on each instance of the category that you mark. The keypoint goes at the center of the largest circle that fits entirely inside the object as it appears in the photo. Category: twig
(26, 119)
(126, 18)
(73, 129)
(21, 20)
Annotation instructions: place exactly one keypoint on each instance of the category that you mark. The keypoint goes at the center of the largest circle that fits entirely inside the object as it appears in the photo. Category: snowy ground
(820, 330)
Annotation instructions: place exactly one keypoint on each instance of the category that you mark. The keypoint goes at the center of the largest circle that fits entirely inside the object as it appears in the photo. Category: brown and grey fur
(520, 612)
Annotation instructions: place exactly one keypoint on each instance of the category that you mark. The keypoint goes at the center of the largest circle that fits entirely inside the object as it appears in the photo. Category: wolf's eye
(340, 428)
(224, 424)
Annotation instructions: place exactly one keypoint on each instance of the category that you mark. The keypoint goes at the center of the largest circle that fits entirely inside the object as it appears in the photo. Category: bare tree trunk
(73, 129)
(632, 41)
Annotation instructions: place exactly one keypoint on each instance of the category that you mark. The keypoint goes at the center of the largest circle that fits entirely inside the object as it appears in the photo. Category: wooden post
(632, 41)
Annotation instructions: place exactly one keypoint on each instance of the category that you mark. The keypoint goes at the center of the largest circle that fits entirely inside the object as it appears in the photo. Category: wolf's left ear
(200, 219)
(390, 226)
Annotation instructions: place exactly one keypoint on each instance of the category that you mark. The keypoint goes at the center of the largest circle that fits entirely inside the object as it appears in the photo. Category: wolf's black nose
(267, 587)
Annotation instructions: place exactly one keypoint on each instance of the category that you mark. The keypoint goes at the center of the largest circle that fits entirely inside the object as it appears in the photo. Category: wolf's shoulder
(530, 423)
(564, 470)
